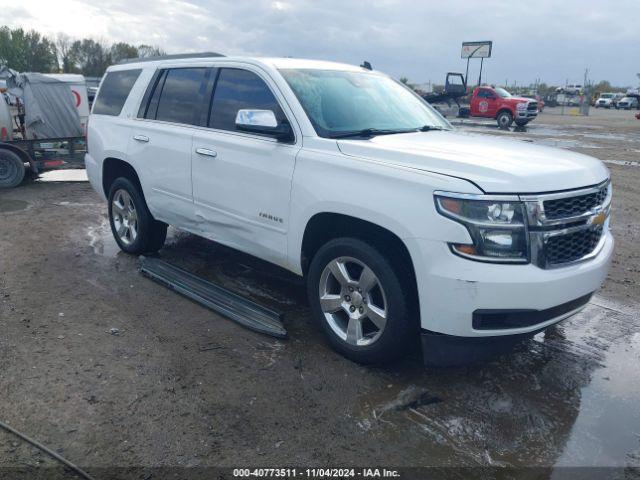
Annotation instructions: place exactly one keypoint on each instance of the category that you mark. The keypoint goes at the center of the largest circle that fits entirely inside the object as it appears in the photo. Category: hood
(521, 99)
(494, 164)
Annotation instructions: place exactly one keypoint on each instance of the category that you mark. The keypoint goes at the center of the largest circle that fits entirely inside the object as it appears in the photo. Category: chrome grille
(573, 206)
(532, 106)
(567, 227)
(573, 246)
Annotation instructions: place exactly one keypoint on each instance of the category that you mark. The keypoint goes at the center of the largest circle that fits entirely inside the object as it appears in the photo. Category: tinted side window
(152, 107)
(114, 91)
(147, 94)
(238, 89)
(181, 96)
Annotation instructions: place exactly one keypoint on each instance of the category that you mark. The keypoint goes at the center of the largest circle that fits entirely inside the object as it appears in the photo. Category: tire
(504, 119)
(132, 225)
(387, 300)
(521, 123)
(12, 169)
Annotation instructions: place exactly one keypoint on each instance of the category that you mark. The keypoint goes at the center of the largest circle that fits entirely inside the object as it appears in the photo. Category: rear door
(161, 141)
(242, 181)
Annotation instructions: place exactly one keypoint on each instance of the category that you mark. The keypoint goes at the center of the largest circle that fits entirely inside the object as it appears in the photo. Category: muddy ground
(178, 386)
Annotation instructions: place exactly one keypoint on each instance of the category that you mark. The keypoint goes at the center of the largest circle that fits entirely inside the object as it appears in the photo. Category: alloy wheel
(125, 217)
(353, 301)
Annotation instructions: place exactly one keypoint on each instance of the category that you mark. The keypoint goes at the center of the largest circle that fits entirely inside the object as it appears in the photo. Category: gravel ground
(175, 385)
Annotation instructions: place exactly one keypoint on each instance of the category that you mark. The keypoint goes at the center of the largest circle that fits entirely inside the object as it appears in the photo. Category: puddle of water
(627, 163)
(72, 175)
(570, 397)
(608, 424)
(76, 204)
(102, 241)
(565, 143)
(609, 136)
(546, 131)
(7, 206)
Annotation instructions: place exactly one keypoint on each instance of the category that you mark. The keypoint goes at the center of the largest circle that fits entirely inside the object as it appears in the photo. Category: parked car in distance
(605, 100)
(403, 227)
(628, 103)
(496, 102)
(571, 89)
(608, 100)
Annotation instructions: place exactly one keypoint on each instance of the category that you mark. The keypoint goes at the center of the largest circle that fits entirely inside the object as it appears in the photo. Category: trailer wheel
(11, 169)
(504, 119)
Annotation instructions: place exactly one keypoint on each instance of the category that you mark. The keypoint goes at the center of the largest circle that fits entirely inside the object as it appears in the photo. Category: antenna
(366, 65)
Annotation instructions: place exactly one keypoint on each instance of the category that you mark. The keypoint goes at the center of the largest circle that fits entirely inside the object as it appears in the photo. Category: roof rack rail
(170, 57)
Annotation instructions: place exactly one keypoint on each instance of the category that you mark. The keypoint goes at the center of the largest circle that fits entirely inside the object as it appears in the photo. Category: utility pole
(466, 75)
(586, 100)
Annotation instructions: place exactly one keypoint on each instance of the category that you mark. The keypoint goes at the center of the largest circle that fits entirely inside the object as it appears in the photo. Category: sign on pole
(476, 49)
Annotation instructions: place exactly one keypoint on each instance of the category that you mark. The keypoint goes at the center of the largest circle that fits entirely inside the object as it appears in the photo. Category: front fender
(397, 199)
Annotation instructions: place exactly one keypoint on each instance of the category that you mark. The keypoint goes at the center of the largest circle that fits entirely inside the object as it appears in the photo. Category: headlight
(521, 106)
(497, 227)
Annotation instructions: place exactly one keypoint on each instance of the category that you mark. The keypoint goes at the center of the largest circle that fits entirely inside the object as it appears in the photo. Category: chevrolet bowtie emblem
(599, 219)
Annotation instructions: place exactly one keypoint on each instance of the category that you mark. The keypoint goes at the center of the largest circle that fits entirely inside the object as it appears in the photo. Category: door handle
(206, 152)
(141, 138)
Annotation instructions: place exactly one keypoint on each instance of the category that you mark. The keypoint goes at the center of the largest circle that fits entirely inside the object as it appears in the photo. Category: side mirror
(263, 122)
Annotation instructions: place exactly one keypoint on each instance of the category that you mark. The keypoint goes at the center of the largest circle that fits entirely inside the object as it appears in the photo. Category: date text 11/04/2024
(316, 473)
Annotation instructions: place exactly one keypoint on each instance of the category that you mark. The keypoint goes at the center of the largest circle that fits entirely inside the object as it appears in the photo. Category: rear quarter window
(114, 91)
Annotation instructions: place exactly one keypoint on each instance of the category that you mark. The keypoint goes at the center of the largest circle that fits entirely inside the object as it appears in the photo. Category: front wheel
(504, 119)
(132, 225)
(360, 302)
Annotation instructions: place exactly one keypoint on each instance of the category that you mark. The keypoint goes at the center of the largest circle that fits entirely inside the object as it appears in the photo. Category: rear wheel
(360, 302)
(12, 169)
(504, 119)
(132, 225)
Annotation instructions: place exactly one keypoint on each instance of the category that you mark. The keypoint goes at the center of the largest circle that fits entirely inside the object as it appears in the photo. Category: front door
(241, 181)
(487, 103)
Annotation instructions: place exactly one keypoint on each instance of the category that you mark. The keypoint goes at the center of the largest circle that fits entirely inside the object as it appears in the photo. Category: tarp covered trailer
(48, 124)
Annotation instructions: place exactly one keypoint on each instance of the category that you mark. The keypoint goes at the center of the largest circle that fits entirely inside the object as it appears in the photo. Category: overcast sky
(554, 40)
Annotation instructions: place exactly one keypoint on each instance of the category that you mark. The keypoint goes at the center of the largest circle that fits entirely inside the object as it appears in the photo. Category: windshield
(502, 92)
(606, 95)
(339, 102)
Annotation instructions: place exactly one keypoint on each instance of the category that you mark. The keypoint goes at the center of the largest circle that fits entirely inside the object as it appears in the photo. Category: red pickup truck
(496, 102)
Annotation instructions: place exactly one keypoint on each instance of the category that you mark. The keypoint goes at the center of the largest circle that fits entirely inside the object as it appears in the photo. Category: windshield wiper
(371, 132)
(429, 128)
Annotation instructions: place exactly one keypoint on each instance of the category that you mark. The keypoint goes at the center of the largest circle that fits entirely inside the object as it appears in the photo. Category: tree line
(30, 51)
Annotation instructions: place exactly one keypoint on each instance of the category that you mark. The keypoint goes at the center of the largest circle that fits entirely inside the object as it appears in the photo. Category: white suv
(401, 225)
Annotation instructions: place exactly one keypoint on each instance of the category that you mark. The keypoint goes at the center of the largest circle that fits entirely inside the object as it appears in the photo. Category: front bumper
(526, 114)
(451, 289)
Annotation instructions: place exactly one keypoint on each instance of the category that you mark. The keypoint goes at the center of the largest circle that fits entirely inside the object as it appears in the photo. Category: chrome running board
(233, 306)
